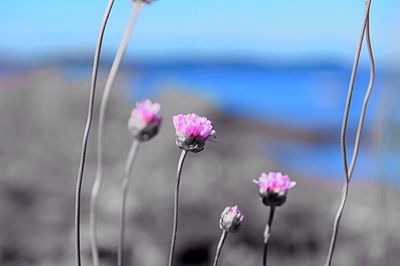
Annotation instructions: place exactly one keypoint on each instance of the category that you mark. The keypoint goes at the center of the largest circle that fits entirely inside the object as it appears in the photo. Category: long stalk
(176, 203)
(219, 248)
(100, 138)
(348, 172)
(365, 101)
(267, 234)
(95, 69)
(125, 187)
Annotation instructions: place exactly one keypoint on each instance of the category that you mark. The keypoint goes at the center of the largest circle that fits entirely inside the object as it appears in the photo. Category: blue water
(299, 97)
(307, 98)
(310, 98)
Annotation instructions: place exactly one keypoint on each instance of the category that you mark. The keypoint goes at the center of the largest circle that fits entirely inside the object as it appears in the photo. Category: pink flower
(145, 120)
(274, 182)
(193, 126)
(231, 219)
(145, 113)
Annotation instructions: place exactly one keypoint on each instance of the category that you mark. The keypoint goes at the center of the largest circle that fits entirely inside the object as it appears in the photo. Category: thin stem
(348, 172)
(338, 217)
(176, 202)
(219, 248)
(267, 234)
(95, 69)
(100, 138)
(365, 102)
(125, 186)
(350, 93)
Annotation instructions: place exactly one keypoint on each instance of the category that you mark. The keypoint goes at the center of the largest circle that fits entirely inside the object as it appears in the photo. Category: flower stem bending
(125, 187)
(176, 202)
(100, 138)
(267, 234)
(349, 171)
(365, 101)
(95, 69)
(219, 248)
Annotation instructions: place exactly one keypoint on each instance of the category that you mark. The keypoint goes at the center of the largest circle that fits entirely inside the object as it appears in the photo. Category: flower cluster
(273, 188)
(145, 120)
(231, 219)
(192, 131)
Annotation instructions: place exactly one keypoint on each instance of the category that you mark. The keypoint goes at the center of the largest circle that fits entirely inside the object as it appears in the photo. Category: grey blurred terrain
(42, 118)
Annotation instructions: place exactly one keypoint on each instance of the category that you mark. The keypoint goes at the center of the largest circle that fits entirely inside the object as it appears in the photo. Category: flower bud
(273, 188)
(145, 121)
(192, 132)
(231, 219)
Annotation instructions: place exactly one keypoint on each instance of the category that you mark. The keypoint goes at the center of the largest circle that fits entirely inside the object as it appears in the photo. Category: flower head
(231, 219)
(192, 126)
(273, 188)
(192, 131)
(145, 120)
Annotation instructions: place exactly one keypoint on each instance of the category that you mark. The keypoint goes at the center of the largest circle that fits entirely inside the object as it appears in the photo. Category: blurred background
(273, 78)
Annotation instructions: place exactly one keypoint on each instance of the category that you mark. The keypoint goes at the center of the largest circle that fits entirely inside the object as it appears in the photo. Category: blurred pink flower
(145, 120)
(144, 114)
(275, 182)
(193, 126)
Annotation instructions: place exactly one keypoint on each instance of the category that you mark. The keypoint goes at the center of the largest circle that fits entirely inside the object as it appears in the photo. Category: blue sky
(262, 29)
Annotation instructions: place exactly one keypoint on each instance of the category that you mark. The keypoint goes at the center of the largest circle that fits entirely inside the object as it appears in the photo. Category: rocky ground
(41, 126)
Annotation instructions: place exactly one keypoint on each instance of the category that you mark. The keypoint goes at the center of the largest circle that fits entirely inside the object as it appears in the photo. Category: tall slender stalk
(365, 101)
(267, 234)
(348, 172)
(176, 205)
(219, 248)
(100, 138)
(95, 69)
(125, 187)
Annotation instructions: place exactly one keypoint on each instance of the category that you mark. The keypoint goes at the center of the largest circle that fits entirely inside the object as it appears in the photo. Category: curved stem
(95, 69)
(337, 223)
(100, 138)
(219, 248)
(125, 187)
(350, 93)
(267, 234)
(365, 102)
(176, 202)
(348, 172)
